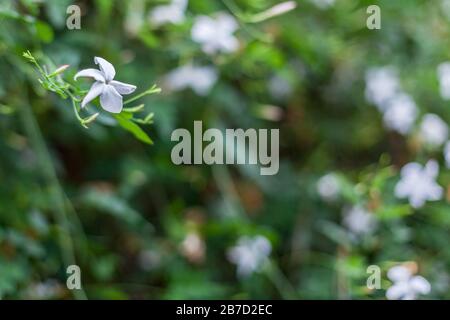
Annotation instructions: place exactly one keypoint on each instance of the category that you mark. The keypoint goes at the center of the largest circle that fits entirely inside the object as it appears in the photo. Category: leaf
(132, 127)
(394, 212)
(44, 32)
(114, 206)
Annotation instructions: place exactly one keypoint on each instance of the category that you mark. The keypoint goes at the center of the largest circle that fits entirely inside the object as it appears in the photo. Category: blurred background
(353, 107)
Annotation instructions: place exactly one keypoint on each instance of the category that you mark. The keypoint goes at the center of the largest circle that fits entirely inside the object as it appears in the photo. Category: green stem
(77, 115)
(152, 90)
(234, 9)
(282, 284)
(56, 192)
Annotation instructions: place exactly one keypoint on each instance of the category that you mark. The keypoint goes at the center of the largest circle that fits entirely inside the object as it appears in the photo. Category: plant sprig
(54, 82)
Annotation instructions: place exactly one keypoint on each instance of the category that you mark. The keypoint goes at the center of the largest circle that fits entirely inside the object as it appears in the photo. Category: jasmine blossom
(215, 34)
(250, 254)
(406, 286)
(109, 90)
(418, 183)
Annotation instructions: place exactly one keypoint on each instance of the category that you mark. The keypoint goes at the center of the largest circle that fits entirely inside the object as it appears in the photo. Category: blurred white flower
(406, 286)
(48, 289)
(447, 154)
(418, 183)
(171, 13)
(134, 18)
(382, 84)
(199, 79)
(109, 90)
(279, 87)
(323, 4)
(328, 187)
(433, 130)
(443, 71)
(401, 113)
(359, 221)
(271, 113)
(215, 34)
(250, 254)
(149, 260)
(193, 247)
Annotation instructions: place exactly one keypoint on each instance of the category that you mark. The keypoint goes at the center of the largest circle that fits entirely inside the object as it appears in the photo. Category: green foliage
(82, 186)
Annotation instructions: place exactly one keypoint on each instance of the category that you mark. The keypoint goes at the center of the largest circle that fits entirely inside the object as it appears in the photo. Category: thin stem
(282, 284)
(77, 115)
(152, 90)
(234, 9)
(56, 191)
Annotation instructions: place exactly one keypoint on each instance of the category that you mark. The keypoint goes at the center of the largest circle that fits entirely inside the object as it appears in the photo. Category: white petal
(230, 44)
(92, 73)
(226, 22)
(411, 169)
(203, 29)
(420, 285)
(432, 168)
(397, 291)
(111, 100)
(106, 67)
(399, 273)
(202, 79)
(179, 78)
(262, 245)
(417, 200)
(123, 88)
(409, 296)
(94, 92)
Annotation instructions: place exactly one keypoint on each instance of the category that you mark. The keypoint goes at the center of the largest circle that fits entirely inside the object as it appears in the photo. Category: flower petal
(122, 88)
(432, 168)
(226, 22)
(106, 67)
(420, 285)
(94, 92)
(111, 100)
(398, 291)
(399, 273)
(92, 73)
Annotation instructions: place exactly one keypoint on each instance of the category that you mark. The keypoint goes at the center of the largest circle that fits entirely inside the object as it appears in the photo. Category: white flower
(109, 90)
(381, 85)
(433, 130)
(447, 154)
(199, 79)
(443, 71)
(149, 259)
(323, 4)
(215, 33)
(328, 187)
(48, 289)
(279, 87)
(418, 183)
(171, 13)
(401, 113)
(250, 254)
(193, 247)
(406, 286)
(359, 221)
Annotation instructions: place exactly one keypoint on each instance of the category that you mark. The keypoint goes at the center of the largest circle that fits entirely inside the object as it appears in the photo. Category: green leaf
(394, 212)
(132, 127)
(44, 32)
